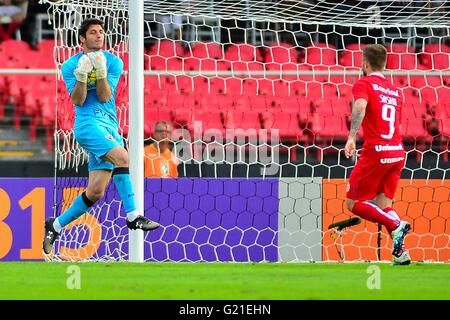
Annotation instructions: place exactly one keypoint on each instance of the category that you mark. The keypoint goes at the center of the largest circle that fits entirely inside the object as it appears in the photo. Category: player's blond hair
(376, 56)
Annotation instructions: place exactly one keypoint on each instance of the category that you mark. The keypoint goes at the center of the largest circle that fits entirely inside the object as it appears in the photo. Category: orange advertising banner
(423, 203)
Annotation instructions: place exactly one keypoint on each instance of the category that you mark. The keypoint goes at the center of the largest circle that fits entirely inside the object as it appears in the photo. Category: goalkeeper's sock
(371, 212)
(121, 177)
(132, 215)
(78, 207)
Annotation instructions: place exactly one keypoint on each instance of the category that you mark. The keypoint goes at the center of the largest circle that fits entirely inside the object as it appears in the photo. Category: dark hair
(163, 123)
(375, 55)
(86, 24)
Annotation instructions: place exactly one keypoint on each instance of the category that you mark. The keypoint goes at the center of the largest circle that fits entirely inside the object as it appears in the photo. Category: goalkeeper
(91, 78)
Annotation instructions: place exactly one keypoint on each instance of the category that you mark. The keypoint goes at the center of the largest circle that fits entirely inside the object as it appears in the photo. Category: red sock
(373, 213)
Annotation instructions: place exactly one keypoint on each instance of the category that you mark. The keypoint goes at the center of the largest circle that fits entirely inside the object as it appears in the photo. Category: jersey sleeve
(70, 80)
(114, 72)
(360, 91)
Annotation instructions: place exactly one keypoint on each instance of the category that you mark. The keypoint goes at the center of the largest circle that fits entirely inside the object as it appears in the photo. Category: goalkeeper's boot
(142, 223)
(398, 235)
(50, 236)
(402, 258)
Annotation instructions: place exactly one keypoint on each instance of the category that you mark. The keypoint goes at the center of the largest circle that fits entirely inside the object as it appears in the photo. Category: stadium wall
(243, 220)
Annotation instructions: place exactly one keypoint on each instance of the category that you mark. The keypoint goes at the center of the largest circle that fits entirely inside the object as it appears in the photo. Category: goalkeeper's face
(94, 39)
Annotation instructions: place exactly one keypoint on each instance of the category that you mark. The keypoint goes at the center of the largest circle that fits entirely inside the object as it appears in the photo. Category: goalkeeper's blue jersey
(93, 111)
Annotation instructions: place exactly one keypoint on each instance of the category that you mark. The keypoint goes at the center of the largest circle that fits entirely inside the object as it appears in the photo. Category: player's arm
(103, 90)
(358, 113)
(76, 79)
(79, 93)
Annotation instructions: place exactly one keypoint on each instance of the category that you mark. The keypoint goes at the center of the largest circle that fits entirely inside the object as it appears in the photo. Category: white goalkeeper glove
(84, 67)
(98, 60)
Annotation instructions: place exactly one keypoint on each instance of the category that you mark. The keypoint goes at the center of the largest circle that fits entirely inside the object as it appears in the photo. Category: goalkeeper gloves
(98, 60)
(84, 67)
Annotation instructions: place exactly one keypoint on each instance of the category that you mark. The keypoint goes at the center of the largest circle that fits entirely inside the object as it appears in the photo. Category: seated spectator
(159, 161)
(12, 14)
(431, 120)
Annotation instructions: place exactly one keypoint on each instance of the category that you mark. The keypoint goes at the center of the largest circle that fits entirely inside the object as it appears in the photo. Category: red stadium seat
(217, 85)
(445, 109)
(233, 85)
(344, 91)
(157, 99)
(210, 121)
(242, 52)
(281, 121)
(321, 54)
(183, 84)
(426, 81)
(167, 49)
(250, 120)
(281, 53)
(265, 87)
(46, 46)
(194, 64)
(420, 109)
(226, 102)
(408, 112)
(413, 129)
(182, 118)
(401, 56)
(210, 50)
(446, 127)
(12, 47)
(258, 103)
(250, 87)
(352, 55)
(428, 94)
(342, 106)
(283, 104)
(298, 88)
(436, 56)
(324, 107)
(331, 126)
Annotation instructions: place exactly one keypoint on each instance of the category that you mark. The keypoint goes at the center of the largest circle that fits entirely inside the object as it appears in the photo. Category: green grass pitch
(236, 281)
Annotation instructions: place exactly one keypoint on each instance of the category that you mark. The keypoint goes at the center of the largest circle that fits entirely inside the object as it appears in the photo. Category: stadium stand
(238, 102)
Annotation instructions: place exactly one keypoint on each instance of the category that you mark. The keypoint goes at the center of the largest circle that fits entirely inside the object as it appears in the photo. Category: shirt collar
(379, 74)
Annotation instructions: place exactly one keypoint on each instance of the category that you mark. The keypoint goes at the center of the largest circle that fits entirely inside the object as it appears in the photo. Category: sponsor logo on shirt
(387, 147)
(385, 91)
(92, 80)
(391, 160)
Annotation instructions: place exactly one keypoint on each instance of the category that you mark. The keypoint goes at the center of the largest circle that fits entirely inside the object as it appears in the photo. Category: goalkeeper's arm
(79, 91)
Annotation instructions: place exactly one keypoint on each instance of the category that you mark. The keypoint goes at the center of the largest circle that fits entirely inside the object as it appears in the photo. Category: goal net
(259, 96)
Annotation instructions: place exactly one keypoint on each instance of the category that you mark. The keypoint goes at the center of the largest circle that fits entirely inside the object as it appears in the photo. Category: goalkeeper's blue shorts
(98, 140)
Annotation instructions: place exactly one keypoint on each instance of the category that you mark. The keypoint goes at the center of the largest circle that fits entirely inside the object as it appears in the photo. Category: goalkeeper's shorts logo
(348, 186)
(109, 137)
